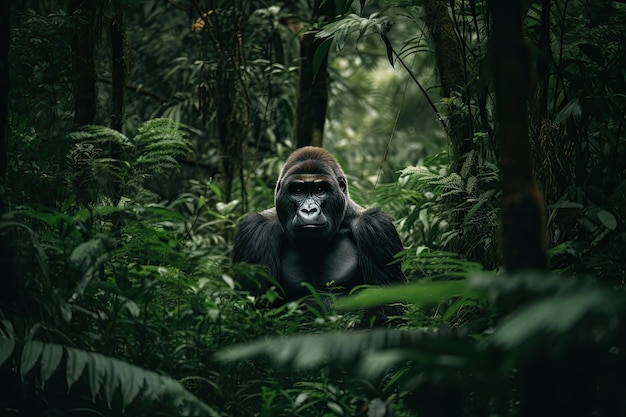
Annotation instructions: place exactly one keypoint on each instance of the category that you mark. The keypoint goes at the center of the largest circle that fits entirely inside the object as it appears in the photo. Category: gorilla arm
(377, 241)
(258, 241)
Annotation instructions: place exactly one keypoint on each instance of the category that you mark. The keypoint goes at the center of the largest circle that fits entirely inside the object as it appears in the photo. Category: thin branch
(428, 99)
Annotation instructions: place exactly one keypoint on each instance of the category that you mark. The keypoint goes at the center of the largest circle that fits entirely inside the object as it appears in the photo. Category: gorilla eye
(320, 189)
(297, 189)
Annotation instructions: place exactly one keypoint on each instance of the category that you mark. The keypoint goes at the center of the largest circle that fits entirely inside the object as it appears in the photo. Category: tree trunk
(550, 152)
(118, 70)
(83, 67)
(522, 235)
(4, 90)
(449, 61)
(118, 76)
(313, 91)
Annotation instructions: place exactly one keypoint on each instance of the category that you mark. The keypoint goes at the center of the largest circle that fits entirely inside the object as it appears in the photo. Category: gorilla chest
(332, 265)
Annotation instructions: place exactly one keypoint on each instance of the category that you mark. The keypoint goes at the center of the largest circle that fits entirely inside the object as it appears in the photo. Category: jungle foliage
(136, 134)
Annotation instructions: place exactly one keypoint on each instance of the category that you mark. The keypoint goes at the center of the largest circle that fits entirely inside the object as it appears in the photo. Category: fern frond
(105, 159)
(471, 184)
(468, 164)
(158, 146)
(99, 135)
(460, 212)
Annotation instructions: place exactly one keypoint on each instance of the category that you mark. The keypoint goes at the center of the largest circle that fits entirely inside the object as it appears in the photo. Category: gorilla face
(308, 209)
(311, 198)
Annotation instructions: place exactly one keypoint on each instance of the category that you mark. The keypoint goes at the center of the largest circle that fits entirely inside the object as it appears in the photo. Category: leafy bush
(527, 362)
(450, 211)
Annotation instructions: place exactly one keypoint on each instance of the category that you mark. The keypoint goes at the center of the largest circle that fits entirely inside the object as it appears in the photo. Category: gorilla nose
(309, 211)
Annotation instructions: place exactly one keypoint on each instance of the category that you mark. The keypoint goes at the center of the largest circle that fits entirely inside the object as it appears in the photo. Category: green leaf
(108, 377)
(132, 383)
(132, 308)
(316, 297)
(388, 47)
(565, 205)
(229, 281)
(473, 210)
(51, 356)
(112, 379)
(7, 340)
(201, 202)
(608, 220)
(359, 350)
(556, 316)
(225, 209)
(83, 255)
(216, 189)
(335, 408)
(75, 366)
(571, 109)
(418, 293)
(332, 28)
(95, 372)
(320, 55)
(30, 356)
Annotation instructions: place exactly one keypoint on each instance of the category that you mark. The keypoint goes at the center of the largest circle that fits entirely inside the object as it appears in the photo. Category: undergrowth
(118, 300)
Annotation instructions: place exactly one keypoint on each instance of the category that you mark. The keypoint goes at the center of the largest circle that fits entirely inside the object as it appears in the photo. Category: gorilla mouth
(311, 226)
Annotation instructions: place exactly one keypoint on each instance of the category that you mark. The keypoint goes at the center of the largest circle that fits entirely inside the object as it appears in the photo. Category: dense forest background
(134, 135)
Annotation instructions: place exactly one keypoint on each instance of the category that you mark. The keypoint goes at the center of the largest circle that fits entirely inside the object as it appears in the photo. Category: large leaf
(556, 317)
(106, 378)
(549, 311)
(76, 362)
(419, 293)
(7, 340)
(88, 257)
(50, 359)
(30, 356)
(360, 350)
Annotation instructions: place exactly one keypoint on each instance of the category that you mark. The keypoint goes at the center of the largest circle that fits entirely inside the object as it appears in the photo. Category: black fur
(378, 242)
(263, 238)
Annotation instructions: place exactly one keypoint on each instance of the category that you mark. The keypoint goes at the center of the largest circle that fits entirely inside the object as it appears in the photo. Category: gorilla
(317, 234)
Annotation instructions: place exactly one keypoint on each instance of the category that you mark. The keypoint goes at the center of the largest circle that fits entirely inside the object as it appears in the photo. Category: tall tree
(522, 237)
(5, 33)
(83, 67)
(451, 71)
(118, 70)
(118, 77)
(313, 90)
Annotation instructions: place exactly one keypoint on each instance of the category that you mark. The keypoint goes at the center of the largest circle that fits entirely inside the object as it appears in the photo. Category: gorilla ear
(343, 184)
